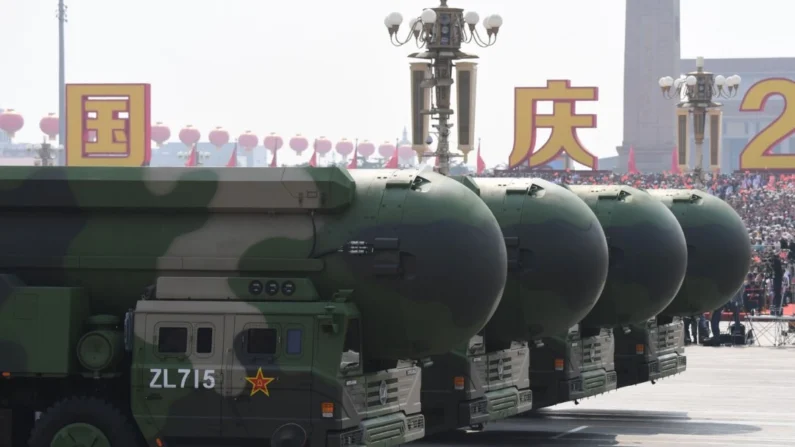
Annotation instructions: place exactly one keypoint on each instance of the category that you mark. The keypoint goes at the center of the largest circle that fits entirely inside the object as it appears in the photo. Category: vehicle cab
(470, 386)
(650, 351)
(262, 358)
(573, 366)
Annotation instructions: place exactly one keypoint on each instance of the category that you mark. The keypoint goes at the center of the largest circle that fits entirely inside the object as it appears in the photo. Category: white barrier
(770, 330)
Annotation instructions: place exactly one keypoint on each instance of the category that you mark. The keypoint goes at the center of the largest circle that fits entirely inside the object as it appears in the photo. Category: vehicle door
(180, 380)
(270, 374)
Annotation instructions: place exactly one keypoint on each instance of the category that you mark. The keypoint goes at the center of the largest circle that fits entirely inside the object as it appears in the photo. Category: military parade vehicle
(550, 235)
(227, 306)
(718, 258)
(718, 250)
(647, 262)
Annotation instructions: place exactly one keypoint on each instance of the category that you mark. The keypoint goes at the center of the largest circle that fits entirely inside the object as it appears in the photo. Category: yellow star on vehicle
(259, 383)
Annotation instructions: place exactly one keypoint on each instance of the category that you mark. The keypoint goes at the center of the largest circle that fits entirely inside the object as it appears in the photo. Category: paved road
(728, 397)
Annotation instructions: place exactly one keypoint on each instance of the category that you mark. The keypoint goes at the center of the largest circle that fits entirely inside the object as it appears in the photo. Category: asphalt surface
(728, 397)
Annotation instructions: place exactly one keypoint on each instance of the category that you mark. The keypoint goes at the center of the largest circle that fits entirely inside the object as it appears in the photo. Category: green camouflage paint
(647, 250)
(557, 258)
(718, 250)
(381, 241)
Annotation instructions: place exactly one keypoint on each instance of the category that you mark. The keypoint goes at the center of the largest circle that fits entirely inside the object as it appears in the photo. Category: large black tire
(88, 410)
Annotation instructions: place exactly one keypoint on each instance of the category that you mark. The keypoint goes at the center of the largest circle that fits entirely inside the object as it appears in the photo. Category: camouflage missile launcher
(719, 254)
(718, 250)
(647, 259)
(550, 235)
(551, 238)
(234, 304)
(648, 255)
(557, 269)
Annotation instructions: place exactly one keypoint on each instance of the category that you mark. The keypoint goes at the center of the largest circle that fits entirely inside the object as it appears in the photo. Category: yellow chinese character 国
(108, 125)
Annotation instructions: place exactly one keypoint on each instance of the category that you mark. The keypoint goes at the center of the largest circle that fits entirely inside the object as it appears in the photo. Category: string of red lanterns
(12, 122)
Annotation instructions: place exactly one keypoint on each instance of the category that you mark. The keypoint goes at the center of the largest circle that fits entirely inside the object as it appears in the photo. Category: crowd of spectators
(766, 203)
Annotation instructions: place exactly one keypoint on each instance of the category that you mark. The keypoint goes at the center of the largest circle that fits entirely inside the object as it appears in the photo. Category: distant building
(170, 155)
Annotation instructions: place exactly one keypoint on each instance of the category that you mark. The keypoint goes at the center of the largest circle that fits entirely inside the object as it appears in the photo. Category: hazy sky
(327, 68)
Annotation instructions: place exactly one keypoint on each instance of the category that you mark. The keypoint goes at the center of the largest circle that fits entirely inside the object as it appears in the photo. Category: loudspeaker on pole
(683, 138)
(420, 102)
(715, 129)
(466, 74)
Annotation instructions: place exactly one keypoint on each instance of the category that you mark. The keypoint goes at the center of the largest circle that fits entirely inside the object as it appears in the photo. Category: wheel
(83, 422)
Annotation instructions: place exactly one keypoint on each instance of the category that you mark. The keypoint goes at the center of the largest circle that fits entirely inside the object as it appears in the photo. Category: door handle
(153, 396)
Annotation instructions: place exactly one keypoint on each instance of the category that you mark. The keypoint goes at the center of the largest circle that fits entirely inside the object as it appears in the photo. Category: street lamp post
(61, 14)
(695, 92)
(440, 31)
(46, 154)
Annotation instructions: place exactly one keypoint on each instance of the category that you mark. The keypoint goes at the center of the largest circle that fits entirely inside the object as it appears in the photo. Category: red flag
(232, 163)
(193, 158)
(313, 159)
(675, 161)
(481, 164)
(273, 161)
(354, 162)
(631, 167)
(393, 162)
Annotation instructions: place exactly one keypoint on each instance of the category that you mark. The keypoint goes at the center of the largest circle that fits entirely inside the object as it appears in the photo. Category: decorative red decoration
(344, 147)
(322, 146)
(189, 135)
(299, 144)
(11, 122)
(273, 142)
(386, 150)
(160, 133)
(49, 125)
(248, 141)
(219, 137)
(366, 149)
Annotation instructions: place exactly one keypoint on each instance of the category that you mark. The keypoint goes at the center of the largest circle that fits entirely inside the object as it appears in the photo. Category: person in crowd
(691, 327)
(715, 326)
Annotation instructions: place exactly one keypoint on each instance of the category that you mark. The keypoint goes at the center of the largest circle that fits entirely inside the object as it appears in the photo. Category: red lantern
(386, 150)
(323, 146)
(273, 142)
(299, 144)
(49, 126)
(189, 135)
(11, 122)
(344, 147)
(405, 152)
(248, 141)
(219, 137)
(160, 133)
(366, 149)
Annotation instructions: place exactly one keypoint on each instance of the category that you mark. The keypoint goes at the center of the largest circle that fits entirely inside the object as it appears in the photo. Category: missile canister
(557, 257)
(420, 254)
(718, 250)
(647, 250)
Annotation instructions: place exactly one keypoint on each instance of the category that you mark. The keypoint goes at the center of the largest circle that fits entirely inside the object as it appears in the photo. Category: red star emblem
(259, 383)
